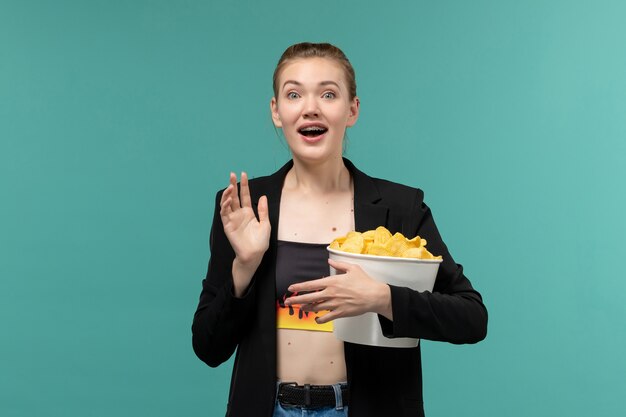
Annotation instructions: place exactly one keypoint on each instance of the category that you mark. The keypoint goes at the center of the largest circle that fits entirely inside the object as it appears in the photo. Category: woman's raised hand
(248, 235)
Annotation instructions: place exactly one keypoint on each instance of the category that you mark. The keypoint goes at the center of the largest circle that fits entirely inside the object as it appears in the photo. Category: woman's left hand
(345, 295)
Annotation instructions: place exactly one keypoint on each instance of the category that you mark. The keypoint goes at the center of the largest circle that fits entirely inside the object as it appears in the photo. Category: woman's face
(314, 108)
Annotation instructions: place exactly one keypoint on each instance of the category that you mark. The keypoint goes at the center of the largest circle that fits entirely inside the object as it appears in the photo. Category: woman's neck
(326, 177)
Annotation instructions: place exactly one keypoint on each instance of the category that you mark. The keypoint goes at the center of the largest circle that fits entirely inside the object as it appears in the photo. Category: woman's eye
(292, 95)
(329, 94)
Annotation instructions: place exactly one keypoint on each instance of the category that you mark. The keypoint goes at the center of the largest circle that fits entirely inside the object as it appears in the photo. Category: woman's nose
(311, 109)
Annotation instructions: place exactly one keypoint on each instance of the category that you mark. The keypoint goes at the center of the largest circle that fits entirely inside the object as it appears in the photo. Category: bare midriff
(309, 357)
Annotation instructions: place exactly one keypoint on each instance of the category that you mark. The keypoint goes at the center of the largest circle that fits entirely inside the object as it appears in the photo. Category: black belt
(289, 393)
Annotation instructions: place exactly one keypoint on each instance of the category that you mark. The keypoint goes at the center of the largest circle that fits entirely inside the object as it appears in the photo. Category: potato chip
(379, 250)
(354, 243)
(417, 242)
(397, 244)
(381, 235)
(354, 234)
(418, 253)
(369, 235)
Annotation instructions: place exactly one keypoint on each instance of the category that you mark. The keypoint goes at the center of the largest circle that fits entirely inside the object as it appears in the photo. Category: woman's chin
(316, 149)
(316, 156)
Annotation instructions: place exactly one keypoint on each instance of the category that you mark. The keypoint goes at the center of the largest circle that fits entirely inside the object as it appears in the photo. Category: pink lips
(313, 139)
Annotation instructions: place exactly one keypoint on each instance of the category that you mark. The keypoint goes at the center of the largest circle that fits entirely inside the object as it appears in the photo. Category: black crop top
(298, 262)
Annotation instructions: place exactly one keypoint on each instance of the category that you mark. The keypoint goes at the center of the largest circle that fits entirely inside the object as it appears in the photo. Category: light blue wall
(120, 120)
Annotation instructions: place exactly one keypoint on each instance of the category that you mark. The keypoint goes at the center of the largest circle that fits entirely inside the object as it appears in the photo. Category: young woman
(268, 294)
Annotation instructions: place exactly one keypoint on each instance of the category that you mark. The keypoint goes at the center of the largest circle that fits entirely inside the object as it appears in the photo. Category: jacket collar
(369, 208)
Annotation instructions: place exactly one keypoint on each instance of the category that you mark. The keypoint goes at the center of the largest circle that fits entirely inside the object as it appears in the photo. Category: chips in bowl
(391, 259)
(381, 242)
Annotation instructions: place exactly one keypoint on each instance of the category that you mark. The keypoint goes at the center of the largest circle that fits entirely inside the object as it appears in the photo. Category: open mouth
(312, 131)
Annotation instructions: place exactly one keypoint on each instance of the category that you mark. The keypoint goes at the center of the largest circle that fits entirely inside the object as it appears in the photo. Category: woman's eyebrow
(300, 84)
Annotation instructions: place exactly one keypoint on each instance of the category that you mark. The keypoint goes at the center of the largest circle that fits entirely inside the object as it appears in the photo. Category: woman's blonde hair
(316, 50)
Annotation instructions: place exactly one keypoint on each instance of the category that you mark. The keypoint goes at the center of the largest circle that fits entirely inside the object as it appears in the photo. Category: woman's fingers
(226, 201)
(241, 197)
(311, 298)
(340, 266)
(330, 316)
(312, 285)
(233, 201)
(225, 209)
(234, 204)
(244, 191)
(310, 292)
(345, 295)
(317, 307)
(263, 210)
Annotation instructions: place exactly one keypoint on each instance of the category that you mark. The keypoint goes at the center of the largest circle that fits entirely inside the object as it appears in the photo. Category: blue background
(120, 120)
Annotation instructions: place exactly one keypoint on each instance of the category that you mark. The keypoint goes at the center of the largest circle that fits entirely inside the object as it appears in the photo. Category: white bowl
(417, 274)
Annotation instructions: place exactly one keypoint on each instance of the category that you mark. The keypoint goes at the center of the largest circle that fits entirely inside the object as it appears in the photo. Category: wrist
(242, 275)
(246, 265)
(384, 307)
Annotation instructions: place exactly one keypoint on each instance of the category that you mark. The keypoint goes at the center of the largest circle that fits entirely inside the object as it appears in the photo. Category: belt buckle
(307, 391)
(281, 395)
(280, 384)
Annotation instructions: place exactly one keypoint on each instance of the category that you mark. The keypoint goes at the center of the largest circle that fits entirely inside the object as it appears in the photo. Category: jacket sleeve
(221, 318)
(453, 312)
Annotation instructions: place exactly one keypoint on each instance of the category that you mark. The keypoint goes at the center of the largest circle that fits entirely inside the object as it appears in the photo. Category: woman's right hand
(248, 236)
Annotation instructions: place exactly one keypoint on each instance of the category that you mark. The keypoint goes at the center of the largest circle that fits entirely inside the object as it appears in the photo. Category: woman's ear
(354, 112)
(275, 115)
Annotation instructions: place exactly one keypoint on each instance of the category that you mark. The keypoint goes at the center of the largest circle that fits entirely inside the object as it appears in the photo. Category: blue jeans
(339, 410)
